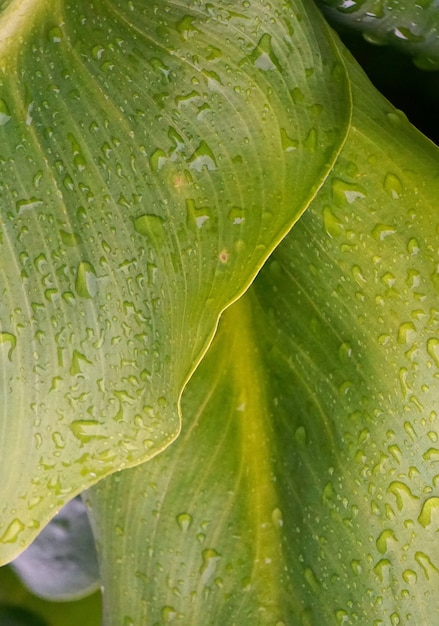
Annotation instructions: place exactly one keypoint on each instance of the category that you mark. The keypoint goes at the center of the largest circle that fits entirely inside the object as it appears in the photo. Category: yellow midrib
(16, 21)
(255, 445)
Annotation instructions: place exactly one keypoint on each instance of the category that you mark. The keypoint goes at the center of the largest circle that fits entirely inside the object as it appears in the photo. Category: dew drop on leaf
(210, 559)
(201, 158)
(85, 284)
(150, 225)
(433, 349)
(263, 56)
(383, 540)
(344, 191)
(392, 185)
(86, 430)
(429, 509)
(168, 614)
(13, 530)
(9, 341)
(5, 115)
(184, 520)
(333, 226)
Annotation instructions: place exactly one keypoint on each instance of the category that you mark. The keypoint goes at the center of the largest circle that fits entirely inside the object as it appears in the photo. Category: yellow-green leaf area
(145, 180)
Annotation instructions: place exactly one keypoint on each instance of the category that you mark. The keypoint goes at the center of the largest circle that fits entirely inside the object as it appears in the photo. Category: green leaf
(409, 26)
(152, 156)
(303, 488)
(61, 563)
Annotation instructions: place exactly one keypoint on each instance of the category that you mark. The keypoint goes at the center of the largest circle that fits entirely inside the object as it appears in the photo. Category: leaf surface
(303, 488)
(151, 158)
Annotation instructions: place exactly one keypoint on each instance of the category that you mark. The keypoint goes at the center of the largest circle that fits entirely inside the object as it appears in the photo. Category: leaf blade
(341, 319)
(141, 192)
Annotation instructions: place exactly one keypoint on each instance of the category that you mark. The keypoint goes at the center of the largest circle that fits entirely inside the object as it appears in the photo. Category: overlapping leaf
(303, 488)
(151, 158)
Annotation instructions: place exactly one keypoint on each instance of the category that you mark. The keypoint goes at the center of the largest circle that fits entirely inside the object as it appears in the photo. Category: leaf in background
(151, 158)
(303, 488)
(15, 599)
(61, 563)
(16, 616)
(410, 26)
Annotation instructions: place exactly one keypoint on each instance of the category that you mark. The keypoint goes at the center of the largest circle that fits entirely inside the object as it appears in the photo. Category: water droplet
(288, 144)
(343, 191)
(12, 531)
(311, 579)
(277, 518)
(381, 231)
(58, 440)
(55, 34)
(9, 341)
(186, 27)
(402, 493)
(410, 431)
(429, 508)
(157, 159)
(332, 224)
(345, 351)
(202, 158)
(210, 561)
(168, 614)
(356, 567)
(357, 273)
(426, 564)
(413, 246)
(70, 239)
(195, 214)
(236, 215)
(87, 430)
(310, 142)
(297, 95)
(184, 520)
(385, 537)
(85, 284)
(77, 358)
(432, 454)
(150, 225)
(300, 435)
(433, 350)
(5, 115)
(341, 617)
(382, 568)
(97, 52)
(28, 204)
(392, 185)
(187, 98)
(396, 453)
(263, 56)
(406, 332)
(395, 619)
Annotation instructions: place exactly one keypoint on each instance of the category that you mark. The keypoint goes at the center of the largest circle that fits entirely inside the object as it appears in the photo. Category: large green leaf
(303, 488)
(152, 155)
